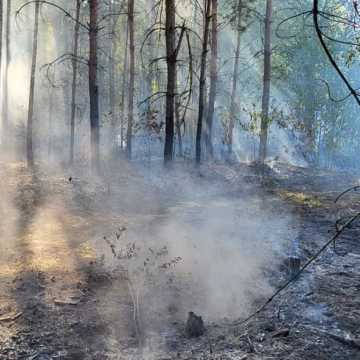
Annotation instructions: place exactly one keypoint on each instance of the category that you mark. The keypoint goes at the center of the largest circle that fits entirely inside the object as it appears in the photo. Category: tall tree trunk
(266, 84)
(171, 79)
(6, 71)
(177, 114)
(1, 31)
(93, 87)
(74, 79)
(131, 79)
(112, 108)
(29, 132)
(50, 128)
(112, 90)
(234, 81)
(202, 86)
(147, 71)
(213, 79)
(124, 85)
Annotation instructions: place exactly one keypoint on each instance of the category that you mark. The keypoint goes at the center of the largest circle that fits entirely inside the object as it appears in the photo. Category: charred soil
(59, 301)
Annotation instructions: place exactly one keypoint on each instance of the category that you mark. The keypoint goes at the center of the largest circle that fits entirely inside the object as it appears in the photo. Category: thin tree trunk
(171, 79)
(147, 71)
(124, 85)
(194, 94)
(235, 81)
(266, 84)
(112, 109)
(213, 79)
(29, 133)
(1, 31)
(51, 108)
(202, 86)
(6, 71)
(177, 114)
(93, 87)
(131, 79)
(1, 28)
(112, 90)
(74, 79)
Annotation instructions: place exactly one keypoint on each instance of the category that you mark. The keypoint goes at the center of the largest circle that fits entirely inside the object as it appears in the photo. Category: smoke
(227, 247)
(220, 246)
(221, 236)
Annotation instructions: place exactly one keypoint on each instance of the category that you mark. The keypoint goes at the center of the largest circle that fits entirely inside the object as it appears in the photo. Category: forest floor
(62, 295)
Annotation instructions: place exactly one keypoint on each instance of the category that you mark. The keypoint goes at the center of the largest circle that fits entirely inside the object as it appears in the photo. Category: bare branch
(45, 2)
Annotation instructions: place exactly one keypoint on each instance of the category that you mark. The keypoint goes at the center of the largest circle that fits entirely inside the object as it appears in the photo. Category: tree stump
(194, 326)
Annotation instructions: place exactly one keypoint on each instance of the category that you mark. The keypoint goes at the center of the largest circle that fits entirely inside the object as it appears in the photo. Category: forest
(179, 179)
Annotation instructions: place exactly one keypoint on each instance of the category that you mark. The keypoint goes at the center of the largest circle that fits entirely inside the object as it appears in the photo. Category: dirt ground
(59, 301)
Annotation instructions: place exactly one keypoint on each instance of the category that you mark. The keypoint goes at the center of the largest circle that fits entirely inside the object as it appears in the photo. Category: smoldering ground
(195, 245)
(183, 243)
(55, 277)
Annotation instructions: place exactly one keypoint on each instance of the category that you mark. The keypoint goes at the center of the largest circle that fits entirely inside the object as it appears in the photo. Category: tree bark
(213, 79)
(30, 120)
(5, 74)
(50, 128)
(171, 80)
(131, 79)
(1, 30)
(74, 79)
(235, 80)
(93, 87)
(178, 120)
(112, 108)
(266, 85)
(124, 85)
(202, 86)
(148, 73)
(1, 26)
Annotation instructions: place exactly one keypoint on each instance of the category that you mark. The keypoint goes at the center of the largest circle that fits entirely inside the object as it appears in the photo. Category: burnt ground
(59, 301)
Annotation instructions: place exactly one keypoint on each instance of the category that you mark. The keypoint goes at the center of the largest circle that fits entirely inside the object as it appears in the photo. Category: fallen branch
(354, 188)
(338, 222)
(10, 317)
(345, 339)
(339, 231)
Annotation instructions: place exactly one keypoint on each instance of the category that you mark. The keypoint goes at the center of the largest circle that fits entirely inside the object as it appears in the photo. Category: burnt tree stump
(194, 326)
